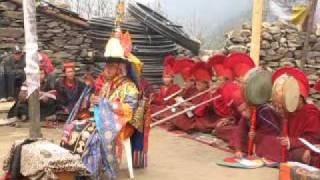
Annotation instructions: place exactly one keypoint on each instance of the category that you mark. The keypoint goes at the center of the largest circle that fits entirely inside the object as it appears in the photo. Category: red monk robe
(184, 68)
(204, 118)
(267, 129)
(158, 103)
(313, 158)
(236, 65)
(303, 123)
(227, 107)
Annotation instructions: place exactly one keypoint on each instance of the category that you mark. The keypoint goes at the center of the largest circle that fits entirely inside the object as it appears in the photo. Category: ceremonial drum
(286, 93)
(257, 86)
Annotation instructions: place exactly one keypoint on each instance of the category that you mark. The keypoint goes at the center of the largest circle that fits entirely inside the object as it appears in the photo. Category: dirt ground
(170, 158)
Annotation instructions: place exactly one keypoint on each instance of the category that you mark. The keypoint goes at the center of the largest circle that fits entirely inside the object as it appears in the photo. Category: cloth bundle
(43, 160)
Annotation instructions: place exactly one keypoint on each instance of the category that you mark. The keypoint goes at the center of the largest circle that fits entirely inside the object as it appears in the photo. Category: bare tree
(192, 25)
(89, 8)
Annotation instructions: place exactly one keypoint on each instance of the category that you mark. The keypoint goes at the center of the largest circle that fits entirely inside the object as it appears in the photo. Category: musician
(168, 88)
(267, 128)
(226, 108)
(304, 122)
(220, 68)
(234, 66)
(203, 119)
(184, 67)
(69, 89)
(240, 64)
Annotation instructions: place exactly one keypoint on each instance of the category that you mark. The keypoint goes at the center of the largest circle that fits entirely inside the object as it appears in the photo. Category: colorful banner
(31, 46)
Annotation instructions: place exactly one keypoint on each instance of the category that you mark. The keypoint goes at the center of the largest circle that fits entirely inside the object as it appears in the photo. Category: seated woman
(47, 97)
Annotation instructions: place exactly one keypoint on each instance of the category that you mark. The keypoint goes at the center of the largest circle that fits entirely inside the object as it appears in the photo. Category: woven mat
(204, 138)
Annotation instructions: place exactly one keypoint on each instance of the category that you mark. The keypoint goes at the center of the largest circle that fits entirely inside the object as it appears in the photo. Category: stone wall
(58, 38)
(281, 45)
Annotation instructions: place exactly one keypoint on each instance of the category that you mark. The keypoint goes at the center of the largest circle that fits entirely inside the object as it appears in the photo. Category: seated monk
(184, 67)
(158, 103)
(267, 127)
(235, 66)
(303, 123)
(226, 108)
(203, 119)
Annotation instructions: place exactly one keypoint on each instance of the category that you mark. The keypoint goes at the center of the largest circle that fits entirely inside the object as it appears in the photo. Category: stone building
(61, 34)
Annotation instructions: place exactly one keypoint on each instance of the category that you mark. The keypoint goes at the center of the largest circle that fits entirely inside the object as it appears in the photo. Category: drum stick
(253, 121)
(184, 111)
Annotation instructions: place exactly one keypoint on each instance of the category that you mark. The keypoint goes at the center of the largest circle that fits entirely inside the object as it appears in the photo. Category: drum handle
(284, 149)
(253, 122)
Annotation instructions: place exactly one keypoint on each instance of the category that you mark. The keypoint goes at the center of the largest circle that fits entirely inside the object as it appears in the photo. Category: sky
(209, 12)
(201, 19)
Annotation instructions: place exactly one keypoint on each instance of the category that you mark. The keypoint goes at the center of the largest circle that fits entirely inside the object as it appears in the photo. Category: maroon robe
(315, 160)
(158, 102)
(268, 128)
(189, 92)
(224, 111)
(226, 132)
(304, 123)
(203, 120)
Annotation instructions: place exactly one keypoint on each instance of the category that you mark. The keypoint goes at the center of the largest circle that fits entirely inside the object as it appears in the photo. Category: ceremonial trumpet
(173, 95)
(184, 111)
(178, 103)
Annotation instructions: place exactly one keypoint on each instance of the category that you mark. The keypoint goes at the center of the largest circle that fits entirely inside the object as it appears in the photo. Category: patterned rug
(204, 138)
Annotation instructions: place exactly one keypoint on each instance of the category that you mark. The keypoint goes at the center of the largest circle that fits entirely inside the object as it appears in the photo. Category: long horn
(184, 111)
(173, 95)
(177, 104)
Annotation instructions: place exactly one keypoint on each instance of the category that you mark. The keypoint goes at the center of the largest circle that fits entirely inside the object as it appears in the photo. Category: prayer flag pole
(32, 66)
(256, 30)
(255, 55)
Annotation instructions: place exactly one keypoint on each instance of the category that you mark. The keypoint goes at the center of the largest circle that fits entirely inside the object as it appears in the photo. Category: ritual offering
(244, 163)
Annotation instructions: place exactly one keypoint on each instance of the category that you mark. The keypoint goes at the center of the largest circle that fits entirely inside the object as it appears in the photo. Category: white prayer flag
(31, 46)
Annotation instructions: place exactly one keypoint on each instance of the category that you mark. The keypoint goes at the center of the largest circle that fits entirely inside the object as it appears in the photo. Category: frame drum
(257, 87)
(286, 93)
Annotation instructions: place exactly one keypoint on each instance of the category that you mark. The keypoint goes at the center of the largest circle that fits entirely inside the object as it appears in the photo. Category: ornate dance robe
(118, 102)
